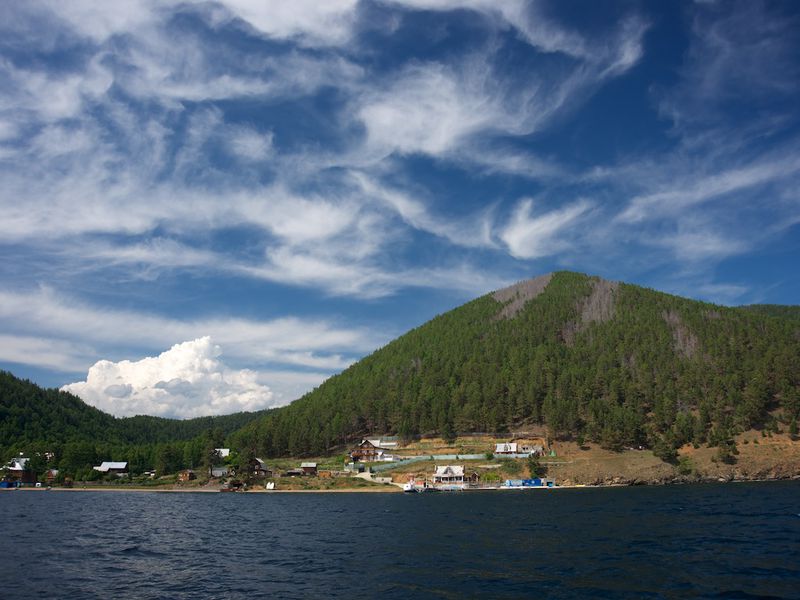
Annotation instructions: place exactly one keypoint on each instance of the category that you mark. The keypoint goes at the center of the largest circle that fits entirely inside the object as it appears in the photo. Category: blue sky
(213, 206)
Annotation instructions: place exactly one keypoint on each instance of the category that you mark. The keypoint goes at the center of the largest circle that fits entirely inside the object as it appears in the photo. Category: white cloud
(436, 109)
(99, 21)
(309, 22)
(686, 189)
(529, 236)
(740, 54)
(474, 230)
(41, 351)
(188, 380)
(250, 145)
(427, 109)
(282, 340)
(700, 244)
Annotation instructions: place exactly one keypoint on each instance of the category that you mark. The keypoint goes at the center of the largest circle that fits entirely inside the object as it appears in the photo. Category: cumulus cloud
(188, 380)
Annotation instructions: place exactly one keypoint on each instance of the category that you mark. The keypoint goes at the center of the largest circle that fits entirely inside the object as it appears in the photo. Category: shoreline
(394, 489)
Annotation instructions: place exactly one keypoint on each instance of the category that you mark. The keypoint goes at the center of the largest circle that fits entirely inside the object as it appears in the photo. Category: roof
(109, 465)
(308, 465)
(379, 443)
(18, 464)
(223, 452)
(449, 471)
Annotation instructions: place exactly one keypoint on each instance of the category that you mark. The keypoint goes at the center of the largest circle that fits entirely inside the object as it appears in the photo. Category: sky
(213, 206)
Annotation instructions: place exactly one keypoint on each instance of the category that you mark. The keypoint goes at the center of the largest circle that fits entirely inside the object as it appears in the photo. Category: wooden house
(309, 468)
(186, 475)
(448, 474)
(366, 451)
(258, 468)
(18, 470)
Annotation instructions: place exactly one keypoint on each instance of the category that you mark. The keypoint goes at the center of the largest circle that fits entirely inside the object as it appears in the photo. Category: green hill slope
(36, 421)
(614, 363)
(30, 414)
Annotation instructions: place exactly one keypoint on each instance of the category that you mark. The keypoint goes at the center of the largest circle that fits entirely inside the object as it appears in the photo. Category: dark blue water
(714, 541)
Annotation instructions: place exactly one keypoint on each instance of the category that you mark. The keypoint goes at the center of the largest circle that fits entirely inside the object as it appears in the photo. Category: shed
(187, 475)
(220, 471)
(309, 468)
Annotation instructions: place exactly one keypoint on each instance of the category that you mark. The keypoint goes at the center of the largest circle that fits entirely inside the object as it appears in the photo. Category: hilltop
(592, 360)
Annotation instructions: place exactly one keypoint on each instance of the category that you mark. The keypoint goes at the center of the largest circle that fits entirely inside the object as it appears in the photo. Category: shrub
(685, 465)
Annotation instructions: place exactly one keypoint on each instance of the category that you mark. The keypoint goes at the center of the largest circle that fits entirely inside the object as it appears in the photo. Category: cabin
(258, 468)
(51, 475)
(186, 475)
(18, 471)
(448, 474)
(506, 448)
(117, 468)
(366, 451)
(309, 468)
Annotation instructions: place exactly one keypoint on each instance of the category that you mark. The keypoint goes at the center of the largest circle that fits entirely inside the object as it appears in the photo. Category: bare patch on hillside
(519, 294)
(684, 341)
(597, 307)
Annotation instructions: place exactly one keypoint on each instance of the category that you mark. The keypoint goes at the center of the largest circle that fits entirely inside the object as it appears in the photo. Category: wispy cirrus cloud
(533, 236)
(269, 340)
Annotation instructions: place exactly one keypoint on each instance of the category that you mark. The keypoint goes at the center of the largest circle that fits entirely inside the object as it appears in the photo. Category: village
(373, 464)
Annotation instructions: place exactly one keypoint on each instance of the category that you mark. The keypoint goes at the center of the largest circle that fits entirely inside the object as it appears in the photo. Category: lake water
(715, 541)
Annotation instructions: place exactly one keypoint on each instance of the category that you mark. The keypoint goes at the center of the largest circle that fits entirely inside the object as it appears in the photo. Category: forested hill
(592, 359)
(31, 415)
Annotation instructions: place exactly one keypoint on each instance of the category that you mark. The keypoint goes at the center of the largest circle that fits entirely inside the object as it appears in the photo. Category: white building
(506, 448)
(448, 474)
(120, 468)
